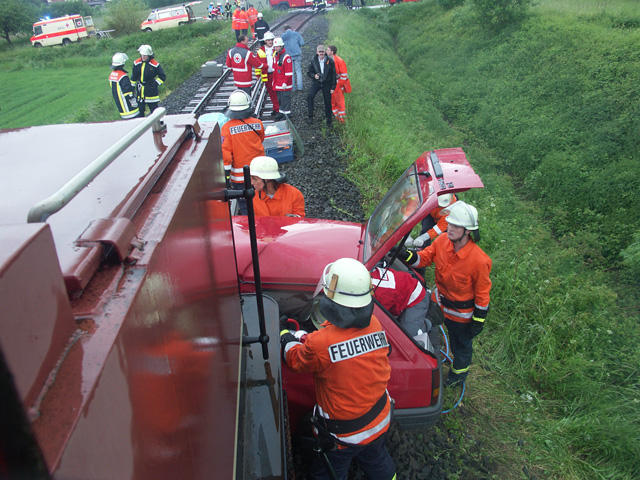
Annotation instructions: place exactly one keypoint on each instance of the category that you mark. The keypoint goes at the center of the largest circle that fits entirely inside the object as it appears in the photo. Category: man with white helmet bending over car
(349, 360)
(462, 282)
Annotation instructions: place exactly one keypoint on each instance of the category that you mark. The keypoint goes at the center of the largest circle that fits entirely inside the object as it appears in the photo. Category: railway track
(212, 96)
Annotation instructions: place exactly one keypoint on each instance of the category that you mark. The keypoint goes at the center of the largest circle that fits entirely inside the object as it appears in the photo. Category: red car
(293, 253)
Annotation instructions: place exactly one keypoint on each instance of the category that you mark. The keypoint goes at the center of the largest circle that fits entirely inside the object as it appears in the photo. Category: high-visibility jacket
(241, 61)
(252, 14)
(243, 20)
(351, 370)
(287, 200)
(123, 93)
(462, 278)
(241, 143)
(267, 58)
(283, 75)
(235, 20)
(342, 76)
(396, 290)
(147, 77)
(441, 220)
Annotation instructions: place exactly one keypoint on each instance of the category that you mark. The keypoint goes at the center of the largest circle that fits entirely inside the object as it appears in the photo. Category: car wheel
(37, 45)
(283, 6)
(65, 42)
(181, 23)
(147, 30)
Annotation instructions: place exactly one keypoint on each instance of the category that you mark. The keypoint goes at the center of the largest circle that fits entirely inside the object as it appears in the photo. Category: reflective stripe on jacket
(150, 76)
(123, 94)
(460, 276)
(241, 143)
(351, 370)
(283, 72)
(264, 58)
(287, 200)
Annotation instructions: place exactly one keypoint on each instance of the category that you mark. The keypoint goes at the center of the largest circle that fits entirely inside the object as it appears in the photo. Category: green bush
(498, 13)
(447, 4)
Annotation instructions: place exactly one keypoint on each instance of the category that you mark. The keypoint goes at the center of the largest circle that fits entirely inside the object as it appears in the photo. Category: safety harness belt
(343, 427)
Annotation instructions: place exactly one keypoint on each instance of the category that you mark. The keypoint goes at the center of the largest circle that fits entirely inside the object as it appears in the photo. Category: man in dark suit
(322, 72)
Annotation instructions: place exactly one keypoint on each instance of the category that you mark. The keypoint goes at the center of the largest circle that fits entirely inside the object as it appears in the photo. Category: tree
(125, 16)
(16, 16)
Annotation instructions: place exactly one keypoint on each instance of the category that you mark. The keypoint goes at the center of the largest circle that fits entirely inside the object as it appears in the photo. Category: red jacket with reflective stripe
(351, 370)
(241, 60)
(287, 200)
(282, 71)
(397, 290)
(460, 276)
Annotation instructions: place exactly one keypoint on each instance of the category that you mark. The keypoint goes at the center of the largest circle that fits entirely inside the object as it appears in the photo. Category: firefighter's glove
(475, 328)
(227, 178)
(404, 255)
(423, 241)
(286, 338)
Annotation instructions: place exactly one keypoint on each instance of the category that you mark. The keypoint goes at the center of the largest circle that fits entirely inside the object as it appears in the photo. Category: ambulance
(58, 31)
(169, 17)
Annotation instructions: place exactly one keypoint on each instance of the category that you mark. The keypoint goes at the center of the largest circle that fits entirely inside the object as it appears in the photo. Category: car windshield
(402, 201)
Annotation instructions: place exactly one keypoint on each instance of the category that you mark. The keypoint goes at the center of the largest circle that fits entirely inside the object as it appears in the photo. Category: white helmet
(278, 42)
(238, 101)
(269, 36)
(462, 215)
(347, 282)
(145, 50)
(259, 14)
(119, 59)
(445, 200)
(265, 168)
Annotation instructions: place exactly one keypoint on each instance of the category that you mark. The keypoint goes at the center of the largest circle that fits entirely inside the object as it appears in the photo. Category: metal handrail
(54, 203)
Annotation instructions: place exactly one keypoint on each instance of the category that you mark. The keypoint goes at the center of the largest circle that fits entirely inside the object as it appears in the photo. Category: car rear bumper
(420, 417)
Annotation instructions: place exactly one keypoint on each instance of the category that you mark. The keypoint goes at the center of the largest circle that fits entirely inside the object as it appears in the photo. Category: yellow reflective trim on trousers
(462, 370)
(394, 476)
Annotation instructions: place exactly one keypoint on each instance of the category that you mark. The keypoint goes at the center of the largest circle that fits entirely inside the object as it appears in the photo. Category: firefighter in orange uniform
(242, 138)
(343, 85)
(274, 197)
(435, 223)
(147, 75)
(243, 19)
(236, 24)
(462, 283)
(252, 15)
(349, 361)
(123, 92)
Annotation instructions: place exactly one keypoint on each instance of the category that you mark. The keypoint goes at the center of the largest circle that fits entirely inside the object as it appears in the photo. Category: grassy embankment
(547, 113)
(64, 85)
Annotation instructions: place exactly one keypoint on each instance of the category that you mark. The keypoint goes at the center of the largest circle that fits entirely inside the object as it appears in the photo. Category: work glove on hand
(286, 337)
(404, 255)
(475, 328)
(422, 241)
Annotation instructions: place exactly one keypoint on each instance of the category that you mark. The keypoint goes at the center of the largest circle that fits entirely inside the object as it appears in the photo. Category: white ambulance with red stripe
(169, 17)
(58, 31)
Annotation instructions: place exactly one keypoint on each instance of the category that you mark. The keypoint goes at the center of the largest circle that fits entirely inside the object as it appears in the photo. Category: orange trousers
(337, 105)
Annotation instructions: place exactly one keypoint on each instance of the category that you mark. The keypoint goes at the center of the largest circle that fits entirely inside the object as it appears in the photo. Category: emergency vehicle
(59, 31)
(169, 17)
(287, 4)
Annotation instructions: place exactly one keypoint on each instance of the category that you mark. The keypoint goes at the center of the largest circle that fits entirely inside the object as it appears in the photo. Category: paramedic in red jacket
(242, 62)
(274, 197)
(462, 283)
(242, 138)
(349, 361)
(343, 85)
(282, 78)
